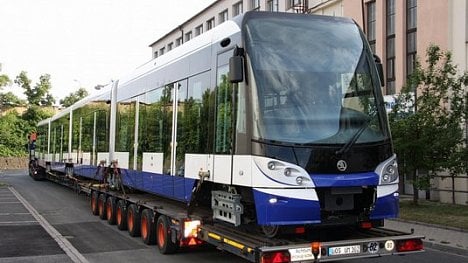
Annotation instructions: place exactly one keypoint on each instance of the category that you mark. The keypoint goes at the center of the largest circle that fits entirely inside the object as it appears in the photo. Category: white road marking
(10, 223)
(64, 244)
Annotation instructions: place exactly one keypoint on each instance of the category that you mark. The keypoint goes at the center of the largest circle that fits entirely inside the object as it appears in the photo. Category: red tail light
(366, 225)
(276, 257)
(299, 230)
(409, 245)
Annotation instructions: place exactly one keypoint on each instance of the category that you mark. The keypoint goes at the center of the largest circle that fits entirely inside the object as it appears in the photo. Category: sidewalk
(440, 238)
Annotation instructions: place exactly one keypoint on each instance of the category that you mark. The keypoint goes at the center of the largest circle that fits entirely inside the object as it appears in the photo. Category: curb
(445, 248)
(431, 225)
(436, 245)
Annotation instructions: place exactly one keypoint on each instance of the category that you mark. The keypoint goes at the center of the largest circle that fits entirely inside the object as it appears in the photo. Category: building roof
(184, 23)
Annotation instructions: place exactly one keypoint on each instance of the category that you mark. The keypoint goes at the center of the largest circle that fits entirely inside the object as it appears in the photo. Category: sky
(84, 43)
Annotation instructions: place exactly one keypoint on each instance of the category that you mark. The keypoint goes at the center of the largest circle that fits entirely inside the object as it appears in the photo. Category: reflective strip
(229, 242)
(212, 235)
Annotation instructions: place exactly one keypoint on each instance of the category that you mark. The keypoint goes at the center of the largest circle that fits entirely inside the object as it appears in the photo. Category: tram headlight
(271, 165)
(299, 180)
(283, 173)
(390, 172)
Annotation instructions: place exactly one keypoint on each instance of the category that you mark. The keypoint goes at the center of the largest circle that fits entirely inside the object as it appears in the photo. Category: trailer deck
(318, 245)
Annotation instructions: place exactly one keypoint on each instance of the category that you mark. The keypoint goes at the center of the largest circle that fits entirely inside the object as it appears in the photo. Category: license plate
(346, 250)
(301, 254)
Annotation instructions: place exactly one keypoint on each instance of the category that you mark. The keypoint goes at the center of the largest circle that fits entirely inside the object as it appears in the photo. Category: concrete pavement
(437, 237)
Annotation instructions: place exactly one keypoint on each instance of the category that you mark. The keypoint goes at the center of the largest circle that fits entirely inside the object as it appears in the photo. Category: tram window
(223, 111)
(155, 117)
(102, 136)
(199, 115)
(152, 118)
(126, 129)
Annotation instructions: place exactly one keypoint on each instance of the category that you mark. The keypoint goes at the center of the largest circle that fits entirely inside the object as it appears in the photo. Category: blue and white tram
(273, 119)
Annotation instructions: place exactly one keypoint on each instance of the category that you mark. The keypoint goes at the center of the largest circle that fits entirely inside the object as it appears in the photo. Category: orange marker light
(315, 248)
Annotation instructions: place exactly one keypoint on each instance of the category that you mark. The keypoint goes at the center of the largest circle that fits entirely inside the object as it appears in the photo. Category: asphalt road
(29, 237)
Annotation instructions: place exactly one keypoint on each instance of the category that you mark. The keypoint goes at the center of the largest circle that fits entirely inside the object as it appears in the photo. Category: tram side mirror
(378, 64)
(236, 66)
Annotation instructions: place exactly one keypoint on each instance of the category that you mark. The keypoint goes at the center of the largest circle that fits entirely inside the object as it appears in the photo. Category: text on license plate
(345, 250)
(301, 254)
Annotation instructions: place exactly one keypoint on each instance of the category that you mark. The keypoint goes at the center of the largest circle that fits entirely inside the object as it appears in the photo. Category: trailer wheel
(121, 215)
(148, 233)
(164, 240)
(102, 206)
(133, 220)
(94, 203)
(111, 207)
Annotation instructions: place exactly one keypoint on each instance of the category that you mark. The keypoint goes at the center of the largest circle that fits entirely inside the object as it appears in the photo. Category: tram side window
(53, 135)
(77, 126)
(126, 128)
(87, 131)
(153, 118)
(102, 127)
(57, 141)
(64, 122)
(40, 140)
(198, 116)
(223, 111)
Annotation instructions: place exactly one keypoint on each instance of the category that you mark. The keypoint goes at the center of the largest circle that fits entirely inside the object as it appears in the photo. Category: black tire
(133, 220)
(102, 206)
(111, 207)
(164, 233)
(121, 215)
(35, 171)
(148, 233)
(94, 203)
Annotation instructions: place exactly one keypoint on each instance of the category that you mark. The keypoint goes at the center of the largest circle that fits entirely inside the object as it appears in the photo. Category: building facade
(399, 31)
(215, 14)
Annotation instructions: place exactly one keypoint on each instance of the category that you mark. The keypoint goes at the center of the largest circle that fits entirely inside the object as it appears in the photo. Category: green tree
(10, 100)
(4, 81)
(38, 95)
(427, 121)
(73, 97)
(12, 135)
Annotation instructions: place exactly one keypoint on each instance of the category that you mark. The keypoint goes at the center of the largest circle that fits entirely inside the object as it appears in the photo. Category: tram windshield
(314, 81)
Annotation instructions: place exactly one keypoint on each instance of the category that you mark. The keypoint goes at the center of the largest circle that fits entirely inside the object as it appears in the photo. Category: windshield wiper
(353, 139)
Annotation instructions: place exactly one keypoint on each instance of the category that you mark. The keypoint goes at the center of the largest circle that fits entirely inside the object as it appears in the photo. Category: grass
(435, 213)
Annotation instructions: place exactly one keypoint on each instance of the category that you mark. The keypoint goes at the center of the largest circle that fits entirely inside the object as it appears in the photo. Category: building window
(155, 54)
(411, 37)
(223, 16)
(294, 4)
(199, 30)
(188, 36)
(237, 9)
(170, 46)
(371, 25)
(254, 4)
(272, 6)
(161, 51)
(179, 41)
(390, 24)
(210, 24)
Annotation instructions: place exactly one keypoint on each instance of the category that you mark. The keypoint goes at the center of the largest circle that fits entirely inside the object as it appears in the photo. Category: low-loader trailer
(169, 225)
